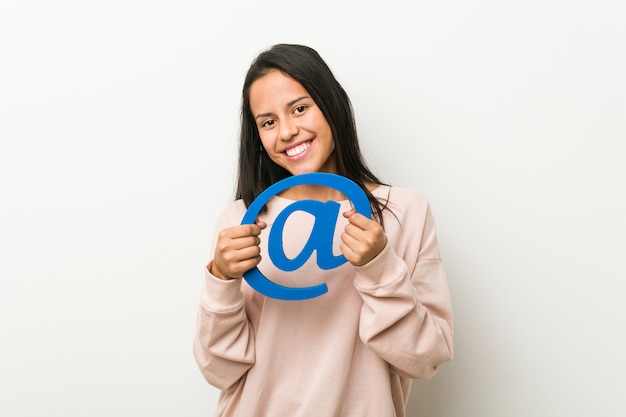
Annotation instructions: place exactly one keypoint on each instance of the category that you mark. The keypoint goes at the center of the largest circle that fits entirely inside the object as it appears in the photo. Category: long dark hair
(256, 170)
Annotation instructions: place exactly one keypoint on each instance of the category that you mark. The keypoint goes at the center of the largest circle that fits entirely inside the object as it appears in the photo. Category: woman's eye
(267, 123)
(300, 109)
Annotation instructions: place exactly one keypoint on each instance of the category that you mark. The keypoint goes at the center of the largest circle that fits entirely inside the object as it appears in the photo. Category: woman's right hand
(237, 250)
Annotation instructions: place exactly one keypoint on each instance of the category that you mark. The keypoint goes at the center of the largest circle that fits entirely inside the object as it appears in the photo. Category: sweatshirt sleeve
(406, 316)
(224, 343)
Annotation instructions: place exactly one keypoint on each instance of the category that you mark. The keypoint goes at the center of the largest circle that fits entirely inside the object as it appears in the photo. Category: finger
(238, 237)
(349, 240)
(360, 220)
(356, 245)
(358, 233)
(242, 231)
(234, 263)
(237, 269)
(347, 252)
(226, 244)
(352, 231)
(248, 264)
(249, 252)
(353, 256)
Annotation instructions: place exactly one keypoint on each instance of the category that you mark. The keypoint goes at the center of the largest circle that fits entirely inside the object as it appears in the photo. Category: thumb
(349, 213)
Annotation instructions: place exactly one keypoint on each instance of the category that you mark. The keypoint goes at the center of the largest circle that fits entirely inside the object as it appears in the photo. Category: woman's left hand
(362, 239)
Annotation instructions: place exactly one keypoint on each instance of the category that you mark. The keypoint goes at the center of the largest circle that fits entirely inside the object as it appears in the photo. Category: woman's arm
(406, 316)
(224, 341)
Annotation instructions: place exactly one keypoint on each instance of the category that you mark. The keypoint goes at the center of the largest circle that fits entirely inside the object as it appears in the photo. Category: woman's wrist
(214, 270)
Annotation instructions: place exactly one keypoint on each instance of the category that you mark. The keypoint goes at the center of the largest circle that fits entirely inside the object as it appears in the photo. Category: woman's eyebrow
(292, 102)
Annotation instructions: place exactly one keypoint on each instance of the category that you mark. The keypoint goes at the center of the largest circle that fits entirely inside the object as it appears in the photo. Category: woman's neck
(318, 192)
(312, 192)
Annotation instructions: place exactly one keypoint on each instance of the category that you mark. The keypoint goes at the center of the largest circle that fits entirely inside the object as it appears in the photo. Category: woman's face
(293, 130)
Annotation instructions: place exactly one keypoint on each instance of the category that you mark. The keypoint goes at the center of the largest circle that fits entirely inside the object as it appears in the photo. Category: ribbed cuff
(221, 294)
(385, 269)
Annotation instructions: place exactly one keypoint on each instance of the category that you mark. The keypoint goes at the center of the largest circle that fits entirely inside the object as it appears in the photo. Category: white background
(118, 127)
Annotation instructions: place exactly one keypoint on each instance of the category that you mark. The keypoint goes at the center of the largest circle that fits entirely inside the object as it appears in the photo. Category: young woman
(386, 318)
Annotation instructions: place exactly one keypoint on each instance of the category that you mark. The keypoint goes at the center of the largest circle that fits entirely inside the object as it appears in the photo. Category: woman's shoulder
(232, 213)
(400, 196)
(236, 206)
(407, 210)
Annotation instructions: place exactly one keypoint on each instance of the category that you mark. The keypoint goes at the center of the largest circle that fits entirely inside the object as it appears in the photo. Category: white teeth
(297, 150)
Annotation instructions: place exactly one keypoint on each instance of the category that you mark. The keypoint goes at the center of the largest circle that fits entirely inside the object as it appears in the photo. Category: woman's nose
(288, 129)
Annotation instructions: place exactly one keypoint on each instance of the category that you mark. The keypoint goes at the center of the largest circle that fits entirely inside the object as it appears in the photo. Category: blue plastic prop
(321, 238)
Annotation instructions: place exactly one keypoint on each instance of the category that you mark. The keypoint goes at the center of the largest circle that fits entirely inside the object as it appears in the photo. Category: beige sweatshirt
(351, 352)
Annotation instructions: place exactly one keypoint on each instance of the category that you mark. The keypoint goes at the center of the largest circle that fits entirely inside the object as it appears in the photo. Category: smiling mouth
(297, 150)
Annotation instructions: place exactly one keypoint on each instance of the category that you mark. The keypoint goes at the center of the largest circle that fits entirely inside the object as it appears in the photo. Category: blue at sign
(321, 238)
